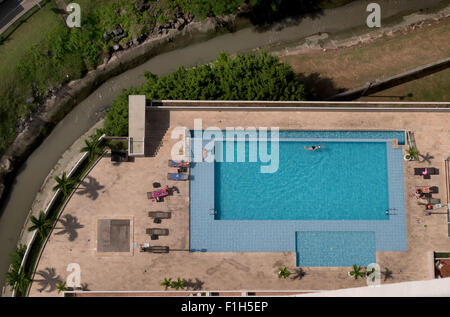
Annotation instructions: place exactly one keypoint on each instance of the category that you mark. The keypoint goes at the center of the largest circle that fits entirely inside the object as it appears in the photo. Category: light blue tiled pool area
(331, 248)
(333, 242)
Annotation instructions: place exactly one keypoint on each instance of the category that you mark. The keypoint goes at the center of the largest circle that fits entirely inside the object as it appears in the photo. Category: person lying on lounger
(312, 148)
(419, 194)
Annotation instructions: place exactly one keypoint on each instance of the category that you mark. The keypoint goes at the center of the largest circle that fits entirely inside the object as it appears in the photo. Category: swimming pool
(342, 180)
(313, 205)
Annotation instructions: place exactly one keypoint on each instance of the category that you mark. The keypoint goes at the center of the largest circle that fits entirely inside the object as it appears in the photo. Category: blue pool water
(299, 134)
(331, 248)
(341, 181)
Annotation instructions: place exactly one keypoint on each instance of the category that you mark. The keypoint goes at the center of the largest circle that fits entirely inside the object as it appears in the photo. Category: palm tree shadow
(426, 158)
(49, 279)
(173, 189)
(84, 287)
(196, 285)
(91, 188)
(298, 274)
(267, 14)
(387, 274)
(70, 226)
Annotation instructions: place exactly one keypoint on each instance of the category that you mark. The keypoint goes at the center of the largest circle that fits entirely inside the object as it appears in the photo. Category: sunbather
(418, 194)
(179, 163)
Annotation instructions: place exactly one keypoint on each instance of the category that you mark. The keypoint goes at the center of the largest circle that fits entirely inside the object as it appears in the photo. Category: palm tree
(179, 283)
(61, 287)
(41, 224)
(413, 152)
(91, 148)
(166, 283)
(18, 279)
(369, 273)
(65, 184)
(284, 273)
(356, 272)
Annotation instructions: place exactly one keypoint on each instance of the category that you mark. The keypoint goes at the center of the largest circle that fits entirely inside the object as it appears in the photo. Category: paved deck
(121, 192)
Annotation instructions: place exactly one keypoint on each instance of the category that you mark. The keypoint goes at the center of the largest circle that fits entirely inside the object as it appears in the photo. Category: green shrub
(206, 8)
(16, 276)
(10, 102)
(248, 76)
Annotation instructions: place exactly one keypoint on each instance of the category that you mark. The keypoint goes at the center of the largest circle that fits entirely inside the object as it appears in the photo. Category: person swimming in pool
(312, 148)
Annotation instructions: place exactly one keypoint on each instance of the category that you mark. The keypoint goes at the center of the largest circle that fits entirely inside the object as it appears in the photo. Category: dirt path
(346, 68)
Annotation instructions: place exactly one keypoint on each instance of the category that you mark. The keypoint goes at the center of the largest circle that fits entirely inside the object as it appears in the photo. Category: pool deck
(121, 192)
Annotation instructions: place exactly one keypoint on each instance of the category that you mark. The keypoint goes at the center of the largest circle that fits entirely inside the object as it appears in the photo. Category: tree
(41, 224)
(64, 184)
(61, 287)
(284, 273)
(413, 152)
(370, 274)
(356, 272)
(179, 283)
(247, 76)
(91, 147)
(18, 279)
(166, 283)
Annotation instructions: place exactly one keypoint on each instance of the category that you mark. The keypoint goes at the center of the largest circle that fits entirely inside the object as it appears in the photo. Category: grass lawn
(431, 88)
(34, 30)
(353, 67)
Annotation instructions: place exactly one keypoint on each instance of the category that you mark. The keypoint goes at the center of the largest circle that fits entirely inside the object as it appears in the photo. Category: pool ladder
(388, 211)
(212, 211)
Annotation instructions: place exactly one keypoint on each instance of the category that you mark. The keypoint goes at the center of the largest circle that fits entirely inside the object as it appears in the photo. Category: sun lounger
(158, 193)
(428, 189)
(157, 231)
(177, 177)
(428, 201)
(178, 164)
(160, 214)
(437, 206)
(427, 170)
(155, 249)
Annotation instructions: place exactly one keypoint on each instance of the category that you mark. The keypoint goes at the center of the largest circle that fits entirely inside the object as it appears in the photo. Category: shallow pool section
(333, 248)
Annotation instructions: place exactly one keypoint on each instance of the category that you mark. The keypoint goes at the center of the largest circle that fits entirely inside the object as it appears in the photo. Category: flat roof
(136, 124)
